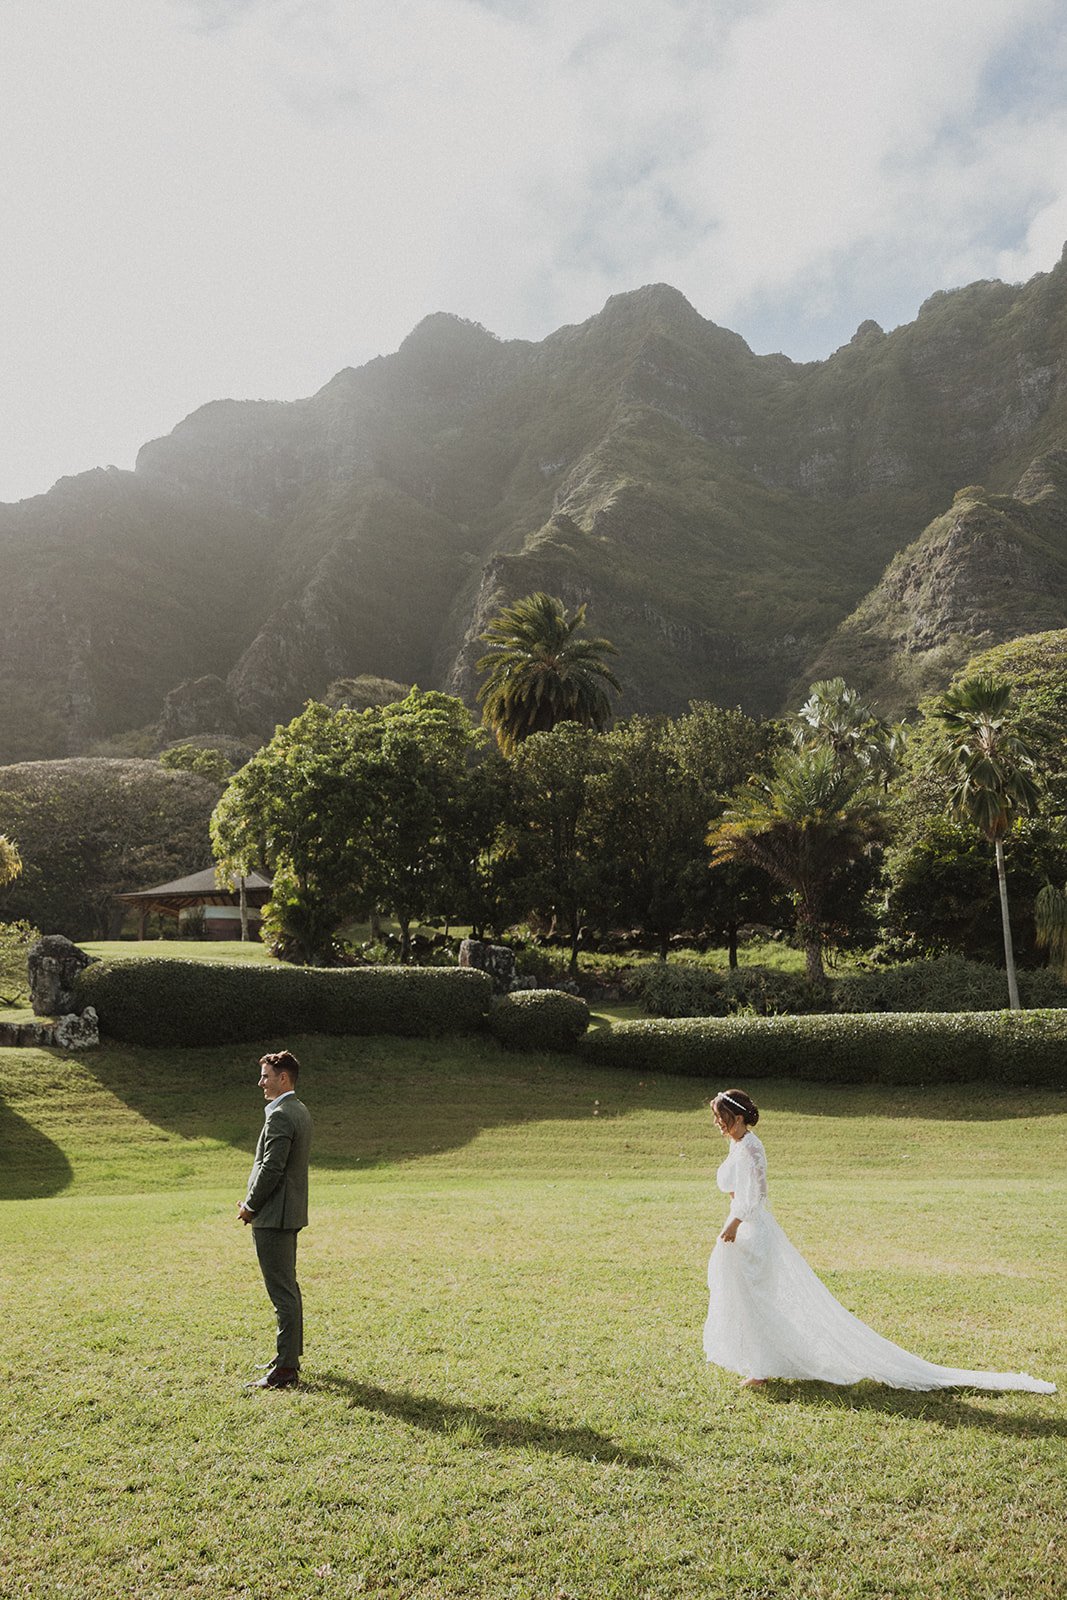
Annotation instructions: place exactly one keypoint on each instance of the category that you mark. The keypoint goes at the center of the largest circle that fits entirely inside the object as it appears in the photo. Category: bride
(770, 1316)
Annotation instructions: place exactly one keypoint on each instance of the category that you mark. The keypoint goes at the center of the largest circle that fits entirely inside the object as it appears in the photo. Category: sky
(203, 199)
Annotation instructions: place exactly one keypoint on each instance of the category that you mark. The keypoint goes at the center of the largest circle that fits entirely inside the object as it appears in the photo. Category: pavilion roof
(196, 886)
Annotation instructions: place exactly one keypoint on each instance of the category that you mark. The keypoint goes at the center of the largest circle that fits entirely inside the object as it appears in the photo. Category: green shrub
(541, 963)
(688, 989)
(682, 989)
(15, 941)
(1025, 1047)
(167, 1002)
(944, 983)
(539, 1019)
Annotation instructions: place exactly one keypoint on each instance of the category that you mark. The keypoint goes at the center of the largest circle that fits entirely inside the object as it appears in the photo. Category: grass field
(505, 1394)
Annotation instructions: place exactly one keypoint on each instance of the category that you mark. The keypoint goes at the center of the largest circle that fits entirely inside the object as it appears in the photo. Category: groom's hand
(244, 1213)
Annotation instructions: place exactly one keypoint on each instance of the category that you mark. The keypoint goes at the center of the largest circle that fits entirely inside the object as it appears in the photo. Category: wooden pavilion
(200, 895)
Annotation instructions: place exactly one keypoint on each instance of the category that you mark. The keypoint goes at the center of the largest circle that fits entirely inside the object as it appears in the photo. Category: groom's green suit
(278, 1198)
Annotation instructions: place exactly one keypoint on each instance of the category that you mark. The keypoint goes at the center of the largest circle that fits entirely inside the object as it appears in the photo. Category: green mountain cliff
(737, 523)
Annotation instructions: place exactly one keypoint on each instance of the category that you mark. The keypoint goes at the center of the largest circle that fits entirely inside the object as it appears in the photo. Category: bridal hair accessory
(731, 1102)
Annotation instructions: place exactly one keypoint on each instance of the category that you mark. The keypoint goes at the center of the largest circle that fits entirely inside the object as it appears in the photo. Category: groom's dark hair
(282, 1061)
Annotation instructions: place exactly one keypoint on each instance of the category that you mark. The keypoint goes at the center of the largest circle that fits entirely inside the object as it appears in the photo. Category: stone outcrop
(53, 964)
(77, 1032)
(992, 568)
(72, 1032)
(496, 959)
(201, 705)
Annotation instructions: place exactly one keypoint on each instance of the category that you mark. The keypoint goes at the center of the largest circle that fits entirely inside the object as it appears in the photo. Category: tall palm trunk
(810, 930)
(1009, 953)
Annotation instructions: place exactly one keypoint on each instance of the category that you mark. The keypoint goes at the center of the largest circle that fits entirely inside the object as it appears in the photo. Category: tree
(1050, 914)
(555, 856)
(834, 715)
(942, 893)
(90, 828)
(209, 764)
(357, 810)
(662, 781)
(539, 673)
(10, 860)
(989, 767)
(801, 824)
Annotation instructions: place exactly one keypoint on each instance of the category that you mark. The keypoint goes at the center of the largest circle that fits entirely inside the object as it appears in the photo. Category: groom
(276, 1206)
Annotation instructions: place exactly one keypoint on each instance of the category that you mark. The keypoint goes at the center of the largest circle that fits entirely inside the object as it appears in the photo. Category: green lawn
(505, 1394)
(184, 949)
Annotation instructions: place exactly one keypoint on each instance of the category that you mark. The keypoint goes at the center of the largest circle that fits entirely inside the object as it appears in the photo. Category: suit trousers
(276, 1250)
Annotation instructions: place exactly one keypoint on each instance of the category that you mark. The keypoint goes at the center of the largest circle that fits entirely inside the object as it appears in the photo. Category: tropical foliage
(213, 765)
(540, 672)
(807, 820)
(91, 828)
(352, 811)
(835, 717)
(10, 860)
(1050, 913)
(990, 771)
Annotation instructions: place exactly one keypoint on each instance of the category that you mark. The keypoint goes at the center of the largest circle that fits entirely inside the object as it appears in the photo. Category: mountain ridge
(736, 522)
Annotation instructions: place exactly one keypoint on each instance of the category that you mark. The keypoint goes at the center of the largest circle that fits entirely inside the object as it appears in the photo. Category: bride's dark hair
(736, 1103)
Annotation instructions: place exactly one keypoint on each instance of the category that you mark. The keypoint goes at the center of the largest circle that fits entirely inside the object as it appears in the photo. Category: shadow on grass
(977, 1101)
(31, 1166)
(947, 1408)
(473, 1428)
(377, 1101)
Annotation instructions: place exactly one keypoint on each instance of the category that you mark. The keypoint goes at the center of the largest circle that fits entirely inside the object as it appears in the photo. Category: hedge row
(1024, 1048)
(539, 1019)
(174, 1002)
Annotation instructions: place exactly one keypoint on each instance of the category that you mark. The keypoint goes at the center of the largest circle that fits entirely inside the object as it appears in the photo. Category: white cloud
(210, 197)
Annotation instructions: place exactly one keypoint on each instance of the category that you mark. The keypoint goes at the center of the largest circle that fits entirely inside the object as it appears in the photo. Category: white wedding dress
(769, 1316)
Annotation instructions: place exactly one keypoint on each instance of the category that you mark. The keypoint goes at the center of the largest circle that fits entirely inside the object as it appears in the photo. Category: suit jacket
(278, 1184)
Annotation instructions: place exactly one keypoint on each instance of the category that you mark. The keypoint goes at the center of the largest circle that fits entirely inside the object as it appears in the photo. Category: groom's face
(271, 1082)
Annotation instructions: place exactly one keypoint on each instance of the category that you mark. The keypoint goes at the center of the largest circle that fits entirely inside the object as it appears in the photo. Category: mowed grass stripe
(505, 1392)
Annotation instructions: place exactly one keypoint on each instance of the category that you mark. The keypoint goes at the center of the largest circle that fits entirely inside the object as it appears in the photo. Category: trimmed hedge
(539, 1019)
(1025, 1047)
(171, 1002)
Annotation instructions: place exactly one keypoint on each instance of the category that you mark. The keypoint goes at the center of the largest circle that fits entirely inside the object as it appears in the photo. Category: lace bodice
(745, 1173)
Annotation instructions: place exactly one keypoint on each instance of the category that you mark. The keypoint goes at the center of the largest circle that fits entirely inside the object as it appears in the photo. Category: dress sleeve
(750, 1180)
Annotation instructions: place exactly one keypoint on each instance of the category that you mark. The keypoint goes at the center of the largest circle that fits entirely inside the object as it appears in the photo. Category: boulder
(496, 959)
(75, 1032)
(72, 1032)
(53, 964)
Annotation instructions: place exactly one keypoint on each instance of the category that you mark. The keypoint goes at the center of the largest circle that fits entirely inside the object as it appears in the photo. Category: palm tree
(989, 766)
(10, 860)
(834, 715)
(811, 816)
(1050, 917)
(540, 673)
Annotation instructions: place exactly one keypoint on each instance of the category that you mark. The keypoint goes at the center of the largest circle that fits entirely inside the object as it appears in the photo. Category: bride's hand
(729, 1233)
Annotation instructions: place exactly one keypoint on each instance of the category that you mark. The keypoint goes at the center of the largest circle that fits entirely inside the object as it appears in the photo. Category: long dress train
(769, 1316)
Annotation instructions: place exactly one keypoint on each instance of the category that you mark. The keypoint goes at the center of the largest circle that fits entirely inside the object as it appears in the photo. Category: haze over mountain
(737, 523)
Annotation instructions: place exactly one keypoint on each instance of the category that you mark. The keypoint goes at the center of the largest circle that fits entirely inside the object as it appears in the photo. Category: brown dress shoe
(278, 1378)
